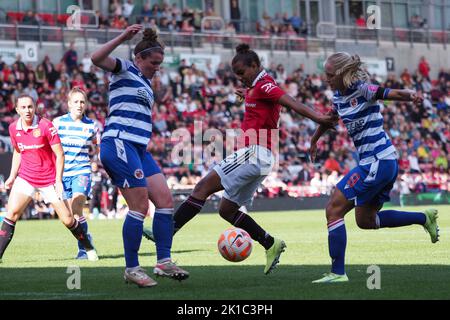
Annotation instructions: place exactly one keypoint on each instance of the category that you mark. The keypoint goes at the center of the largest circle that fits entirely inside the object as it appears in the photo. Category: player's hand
(131, 31)
(241, 92)
(416, 98)
(313, 152)
(59, 189)
(9, 183)
(328, 120)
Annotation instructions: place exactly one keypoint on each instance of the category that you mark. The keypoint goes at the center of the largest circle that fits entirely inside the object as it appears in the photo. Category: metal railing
(194, 41)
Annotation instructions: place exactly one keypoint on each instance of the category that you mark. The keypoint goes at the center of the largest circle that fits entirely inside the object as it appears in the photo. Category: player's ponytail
(246, 55)
(348, 67)
(149, 43)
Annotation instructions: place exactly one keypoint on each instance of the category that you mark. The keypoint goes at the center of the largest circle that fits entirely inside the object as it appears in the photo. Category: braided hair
(349, 67)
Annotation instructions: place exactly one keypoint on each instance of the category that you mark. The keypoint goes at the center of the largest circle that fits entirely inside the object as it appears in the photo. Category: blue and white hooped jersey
(361, 114)
(76, 138)
(130, 105)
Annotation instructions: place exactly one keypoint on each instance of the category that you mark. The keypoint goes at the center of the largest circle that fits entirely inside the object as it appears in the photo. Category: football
(235, 244)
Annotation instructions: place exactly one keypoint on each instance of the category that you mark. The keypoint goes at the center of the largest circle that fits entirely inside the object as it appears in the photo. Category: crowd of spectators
(187, 97)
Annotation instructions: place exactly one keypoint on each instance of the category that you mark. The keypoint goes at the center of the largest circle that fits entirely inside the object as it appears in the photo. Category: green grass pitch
(411, 267)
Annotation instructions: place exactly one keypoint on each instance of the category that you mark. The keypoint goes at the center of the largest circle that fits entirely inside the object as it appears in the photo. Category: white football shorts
(48, 193)
(242, 172)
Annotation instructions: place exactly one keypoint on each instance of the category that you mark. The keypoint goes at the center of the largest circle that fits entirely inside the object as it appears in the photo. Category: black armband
(381, 93)
(118, 66)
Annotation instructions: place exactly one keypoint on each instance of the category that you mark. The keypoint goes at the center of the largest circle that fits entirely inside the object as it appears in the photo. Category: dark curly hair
(246, 55)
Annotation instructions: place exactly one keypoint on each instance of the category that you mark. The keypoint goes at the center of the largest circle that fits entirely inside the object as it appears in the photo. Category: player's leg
(194, 203)
(67, 218)
(336, 209)
(19, 198)
(163, 226)
(207, 186)
(369, 216)
(229, 211)
(80, 187)
(341, 202)
(132, 235)
(77, 204)
(241, 177)
(122, 162)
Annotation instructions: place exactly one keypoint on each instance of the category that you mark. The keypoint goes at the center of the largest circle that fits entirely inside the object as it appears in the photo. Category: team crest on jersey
(354, 178)
(139, 174)
(354, 102)
(37, 133)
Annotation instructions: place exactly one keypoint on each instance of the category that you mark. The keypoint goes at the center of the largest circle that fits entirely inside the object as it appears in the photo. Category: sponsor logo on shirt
(23, 147)
(354, 126)
(268, 87)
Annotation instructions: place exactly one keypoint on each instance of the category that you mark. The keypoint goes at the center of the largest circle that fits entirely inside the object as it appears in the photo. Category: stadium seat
(62, 18)
(48, 18)
(15, 16)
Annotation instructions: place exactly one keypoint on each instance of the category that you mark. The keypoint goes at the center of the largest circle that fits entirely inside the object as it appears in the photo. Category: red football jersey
(262, 111)
(37, 160)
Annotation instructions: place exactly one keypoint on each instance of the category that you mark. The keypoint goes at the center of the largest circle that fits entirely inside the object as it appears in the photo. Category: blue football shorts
(371, 183)
(76, 184)
(128, 164)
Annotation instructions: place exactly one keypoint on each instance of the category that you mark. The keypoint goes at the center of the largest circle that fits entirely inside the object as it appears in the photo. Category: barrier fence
(194, 41)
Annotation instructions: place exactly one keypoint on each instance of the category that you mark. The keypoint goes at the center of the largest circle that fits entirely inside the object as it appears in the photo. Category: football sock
(337, 241)
(187, 210)
(84, 226)
(132, 235)
(6, 234)
(244, 221)
(394, 218)
(163, 232)
(80, 235)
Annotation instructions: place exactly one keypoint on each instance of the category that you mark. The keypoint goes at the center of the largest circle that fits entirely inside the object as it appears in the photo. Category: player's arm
(14, 169)
(101, 58)
(403, 95)
(321, 129)
(289, 102)
(59, 153)
(373, 92)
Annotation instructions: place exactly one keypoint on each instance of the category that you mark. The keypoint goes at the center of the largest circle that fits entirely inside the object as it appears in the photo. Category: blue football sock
(132, 236)
(393, 218)
(337, 242)
(163, 232)
(84, 226)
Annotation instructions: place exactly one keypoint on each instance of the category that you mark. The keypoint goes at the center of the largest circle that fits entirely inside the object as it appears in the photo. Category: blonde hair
(348, 67)
(77, 90)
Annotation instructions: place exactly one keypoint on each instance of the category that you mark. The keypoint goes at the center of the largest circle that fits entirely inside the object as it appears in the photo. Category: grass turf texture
(35, 264)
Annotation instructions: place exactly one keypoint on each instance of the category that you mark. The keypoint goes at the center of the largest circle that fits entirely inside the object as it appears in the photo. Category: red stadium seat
(15, 16)
(48, 18)
(62, 18)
